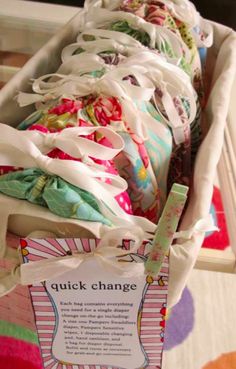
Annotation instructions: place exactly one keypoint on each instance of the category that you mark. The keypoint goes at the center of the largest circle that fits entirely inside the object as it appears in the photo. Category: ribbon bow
(183, 10)
(17, 150)
(70, 141)
(111, 83)
(99, 46)
(105, 34)
(168, 78)
(84, 66)
(100, 18)
(171, 81)
(108, 252)
(76, 85)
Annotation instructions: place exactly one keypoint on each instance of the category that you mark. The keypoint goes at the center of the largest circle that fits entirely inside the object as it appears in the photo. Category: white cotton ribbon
(108, 253)
(104, 34)
(108, 4)
(102, 18)
(83, 65)
(73, 142)
(170, 79)
(99, 46)
(17, 150)
(203, 225)
(206, 28)
(184, 10)
(111, 83)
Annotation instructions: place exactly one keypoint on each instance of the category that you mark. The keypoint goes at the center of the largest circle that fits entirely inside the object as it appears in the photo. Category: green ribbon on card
(166, 228)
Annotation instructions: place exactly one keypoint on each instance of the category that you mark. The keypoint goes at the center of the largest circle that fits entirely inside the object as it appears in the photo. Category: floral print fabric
(133, 163)
(57, 118)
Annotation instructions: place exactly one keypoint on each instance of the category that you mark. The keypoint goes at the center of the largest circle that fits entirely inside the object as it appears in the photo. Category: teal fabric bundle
(61, 197)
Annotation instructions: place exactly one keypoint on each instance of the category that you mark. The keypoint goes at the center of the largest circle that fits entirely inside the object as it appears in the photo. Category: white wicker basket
(221, 66)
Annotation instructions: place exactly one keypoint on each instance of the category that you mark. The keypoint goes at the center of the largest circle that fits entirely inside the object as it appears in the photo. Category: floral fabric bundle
(48, 190)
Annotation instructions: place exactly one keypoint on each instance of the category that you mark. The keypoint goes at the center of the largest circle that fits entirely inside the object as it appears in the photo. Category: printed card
(91, 318)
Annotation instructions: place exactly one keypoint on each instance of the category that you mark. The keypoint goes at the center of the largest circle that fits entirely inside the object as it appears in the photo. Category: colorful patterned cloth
(183, 155)
(53, 192)
(133, 163)
(142, 174)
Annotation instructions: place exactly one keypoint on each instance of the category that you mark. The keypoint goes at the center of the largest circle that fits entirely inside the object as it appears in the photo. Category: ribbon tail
(43, 270)
(121, 268)
(25, 99)
(203, 225)
(9, 281)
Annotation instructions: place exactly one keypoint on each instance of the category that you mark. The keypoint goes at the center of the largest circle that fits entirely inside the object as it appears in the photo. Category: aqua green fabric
(31, 119)
(123, 26)
(144, 38)
(50, 191)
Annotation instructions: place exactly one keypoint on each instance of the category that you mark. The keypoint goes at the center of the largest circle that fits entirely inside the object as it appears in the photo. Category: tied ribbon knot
(98, 46)
(108, 252)
(171, 81)
(73, 141)
(16, 149)
(168, 78)
(79, 86)
(104, 35)
(183, 10)
(100, 18)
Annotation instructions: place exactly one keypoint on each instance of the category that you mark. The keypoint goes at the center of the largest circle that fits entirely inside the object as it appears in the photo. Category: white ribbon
(170, 79)
(183, 10)
(110, 84)
(108, 253)
(172, 82)
(99, 46)
(83, 65)
(108, 4)
(100, 18)
(203, 225)
(206, 28)
(17, 150)
(104, 34)
(70, 141)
